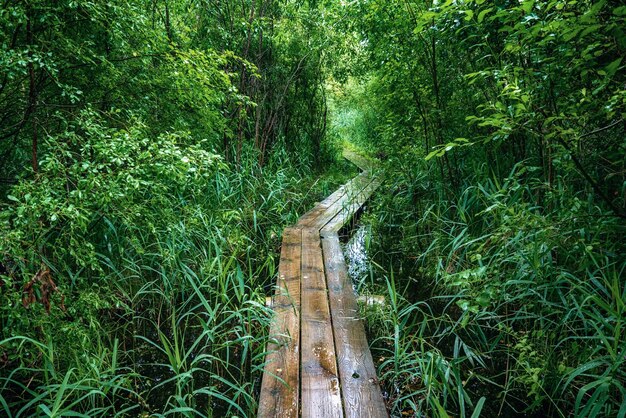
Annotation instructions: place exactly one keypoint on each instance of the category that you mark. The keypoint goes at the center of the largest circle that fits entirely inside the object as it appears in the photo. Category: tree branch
(617, 122)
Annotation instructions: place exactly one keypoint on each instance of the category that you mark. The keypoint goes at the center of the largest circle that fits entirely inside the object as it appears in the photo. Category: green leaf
(45, 409)
(528, 5)
(580, 370)
(479, 407)
(612, 68)
(568, 36)
(13, 198)
(620, 11)
(481, 15)
(622, 410)
(590, 29)
(463, 304)
(440, 409)
(433, 154)
(597, 7)
(469, 15)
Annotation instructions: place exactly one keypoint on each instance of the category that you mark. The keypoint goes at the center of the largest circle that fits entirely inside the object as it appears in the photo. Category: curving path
(319, 363)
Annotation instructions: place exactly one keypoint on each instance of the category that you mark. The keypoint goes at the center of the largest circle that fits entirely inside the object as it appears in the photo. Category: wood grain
(358, 160)
(348, 211)
(319, 211)
(281, 376)
(318, 363)
(359, 386)
(350, 194)
(320, 389)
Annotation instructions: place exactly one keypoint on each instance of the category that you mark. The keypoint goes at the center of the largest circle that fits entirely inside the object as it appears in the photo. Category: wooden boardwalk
(319, 363)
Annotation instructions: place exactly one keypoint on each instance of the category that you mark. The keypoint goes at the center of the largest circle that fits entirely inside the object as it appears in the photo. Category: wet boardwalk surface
(319, 363)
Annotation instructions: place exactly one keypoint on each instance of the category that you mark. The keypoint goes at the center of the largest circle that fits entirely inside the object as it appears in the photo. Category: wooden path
(319, 363)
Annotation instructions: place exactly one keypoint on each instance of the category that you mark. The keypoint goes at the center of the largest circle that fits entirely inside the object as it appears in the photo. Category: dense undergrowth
(150, 155)
(498, 239)
(155, 301)
(490, 298)
(152, 300)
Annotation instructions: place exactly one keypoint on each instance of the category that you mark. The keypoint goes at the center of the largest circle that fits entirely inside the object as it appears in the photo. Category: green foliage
(93, 174)
(151, 152)
(150, 155)
(173, 265)
(503, 124)
(524, 303)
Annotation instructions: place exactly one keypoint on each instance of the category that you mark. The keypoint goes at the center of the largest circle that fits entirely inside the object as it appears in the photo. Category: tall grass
(173, 320)
(498, 305)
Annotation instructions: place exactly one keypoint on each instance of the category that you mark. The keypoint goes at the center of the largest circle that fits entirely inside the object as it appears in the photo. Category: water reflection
(355, 250)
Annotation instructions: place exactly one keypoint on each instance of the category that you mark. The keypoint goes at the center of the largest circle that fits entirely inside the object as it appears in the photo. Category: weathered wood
(318, 363)
(320, 383)
(348, 211)
(358, 160)
(318, 209)
(281, 376)
(351, 193)
(321, 210)
(359, 386)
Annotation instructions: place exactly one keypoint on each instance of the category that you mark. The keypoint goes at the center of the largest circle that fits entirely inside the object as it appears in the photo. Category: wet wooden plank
(342, 217)
(302, 376)
(358, 160)
(351, 193)
(281, 377)
(320, 389)
(321, 209)
(359, 386)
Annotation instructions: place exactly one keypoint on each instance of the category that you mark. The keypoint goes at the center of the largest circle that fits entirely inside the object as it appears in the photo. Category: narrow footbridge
(318, 363)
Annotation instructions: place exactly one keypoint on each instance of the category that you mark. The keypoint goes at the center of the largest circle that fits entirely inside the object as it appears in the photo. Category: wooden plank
(358, 160)
(359, 386)
(301, 375)
(281, 377)
(322, 208)
(318, 209)
(339, 220)
(320, 389)
(350, 194)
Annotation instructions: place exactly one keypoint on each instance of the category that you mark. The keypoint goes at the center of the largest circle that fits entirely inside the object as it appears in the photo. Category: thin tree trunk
(32, 88)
